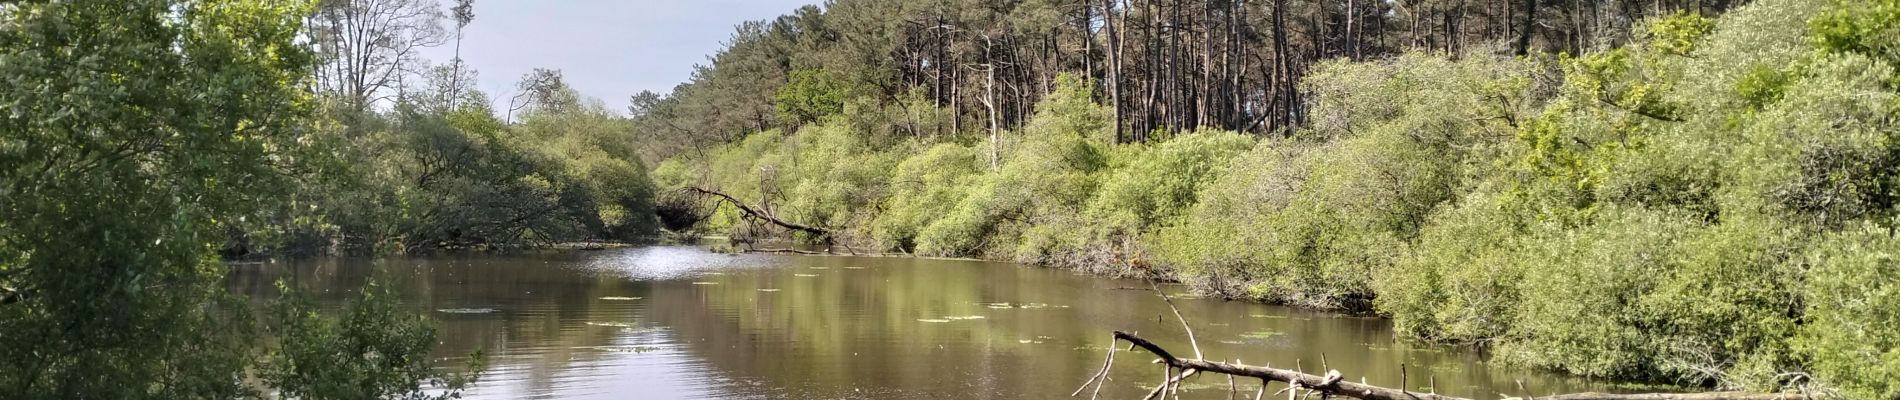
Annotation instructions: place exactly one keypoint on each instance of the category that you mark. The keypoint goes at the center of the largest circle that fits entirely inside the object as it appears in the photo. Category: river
(681, 322)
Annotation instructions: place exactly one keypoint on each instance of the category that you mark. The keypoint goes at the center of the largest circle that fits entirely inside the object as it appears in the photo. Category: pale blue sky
(607, 49)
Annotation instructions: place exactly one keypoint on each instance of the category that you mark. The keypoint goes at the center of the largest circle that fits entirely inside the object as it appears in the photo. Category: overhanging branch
(756, 213)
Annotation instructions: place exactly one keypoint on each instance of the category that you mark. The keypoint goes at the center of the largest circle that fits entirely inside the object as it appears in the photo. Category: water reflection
(678, 322)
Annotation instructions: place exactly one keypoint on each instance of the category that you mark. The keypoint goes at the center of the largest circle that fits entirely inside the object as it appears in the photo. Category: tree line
(946, 68)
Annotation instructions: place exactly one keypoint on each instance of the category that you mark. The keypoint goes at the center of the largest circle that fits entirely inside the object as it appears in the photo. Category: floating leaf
(705, 283)
(618, 298)
(999, 306)
(804, 275)
(466, 310)
(623, 349)
(1262, 334)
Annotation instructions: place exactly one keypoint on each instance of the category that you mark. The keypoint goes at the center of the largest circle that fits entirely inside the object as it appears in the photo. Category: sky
(606, 49)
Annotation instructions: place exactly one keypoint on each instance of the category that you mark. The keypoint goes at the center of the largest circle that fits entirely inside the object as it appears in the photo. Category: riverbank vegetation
(1698, 192)
(143, 140)
(1704, 200)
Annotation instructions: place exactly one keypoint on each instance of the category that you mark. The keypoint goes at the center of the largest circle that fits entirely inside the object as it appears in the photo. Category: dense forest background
(1689, 192)
(946, 68)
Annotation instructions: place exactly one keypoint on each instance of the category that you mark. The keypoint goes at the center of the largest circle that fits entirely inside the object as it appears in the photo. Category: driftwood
(762, 215)
(785, 251)
(825, 235)
(1334, 383)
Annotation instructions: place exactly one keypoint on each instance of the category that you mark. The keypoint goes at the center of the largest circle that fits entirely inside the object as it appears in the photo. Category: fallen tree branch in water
(787, 251)
(1333, 383)
(756, 213)
(1177, 316)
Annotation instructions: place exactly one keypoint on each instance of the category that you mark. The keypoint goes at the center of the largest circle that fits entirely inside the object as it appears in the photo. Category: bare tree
(369, 46)
(464, 13)
(541, 90)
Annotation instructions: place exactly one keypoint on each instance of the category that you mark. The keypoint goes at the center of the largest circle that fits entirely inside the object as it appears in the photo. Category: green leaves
(138, 128)
(1867, 27)
(1855, 304)
(1709, 204)
(374, 350)
(807, 96)
(1678, 34)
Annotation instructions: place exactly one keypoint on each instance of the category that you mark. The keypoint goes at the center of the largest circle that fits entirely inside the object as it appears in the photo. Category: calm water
(679, 322)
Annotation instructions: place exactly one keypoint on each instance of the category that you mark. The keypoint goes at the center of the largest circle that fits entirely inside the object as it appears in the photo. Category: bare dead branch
(1177, 316)
(1333, 385)
(755, 213)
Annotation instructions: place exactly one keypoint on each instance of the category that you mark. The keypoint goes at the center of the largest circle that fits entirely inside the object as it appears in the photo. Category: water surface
(680, 322)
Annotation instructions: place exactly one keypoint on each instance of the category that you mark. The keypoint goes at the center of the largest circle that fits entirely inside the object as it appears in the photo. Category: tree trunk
(1335, 384)
(760, 214)
(1530, 24)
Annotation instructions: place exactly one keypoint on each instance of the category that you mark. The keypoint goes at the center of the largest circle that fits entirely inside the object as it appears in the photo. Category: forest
(1686, 192)
(1694, 193)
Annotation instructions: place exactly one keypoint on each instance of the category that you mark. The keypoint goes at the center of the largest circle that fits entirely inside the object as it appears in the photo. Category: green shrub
(1460, 282)
(1045, 181)
(1725, 305)
(1850, 337)
(1312, 221)
(925, 188)
(374, 350)
(831, 176)
(1157, 185)
(1578, 309)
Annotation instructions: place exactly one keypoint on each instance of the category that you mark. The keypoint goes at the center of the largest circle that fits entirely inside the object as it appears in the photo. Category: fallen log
(759, 214)
(786, 251)
(1333, 385)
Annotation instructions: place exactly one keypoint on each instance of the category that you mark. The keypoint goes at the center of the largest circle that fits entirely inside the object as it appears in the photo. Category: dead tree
(762, 215)
(823, 235)
(1334, 384)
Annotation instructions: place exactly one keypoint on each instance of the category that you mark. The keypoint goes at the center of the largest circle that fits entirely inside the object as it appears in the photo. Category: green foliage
(924, 189)
(1461, 282)
(588, 145)
(807, 96)
(1679, 34)
(1708, 204)
(1157, 185)
(1025, 208)
(374, 350)
(1652, 223)
(135, 131)
(427, 176)
(1070, 109)
(1867, 27)
(1854, 304)
(1311, 221)
(1046, 178)
(141, 134)
(831, 174)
